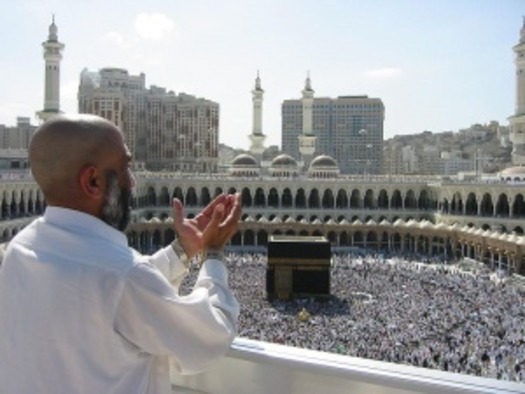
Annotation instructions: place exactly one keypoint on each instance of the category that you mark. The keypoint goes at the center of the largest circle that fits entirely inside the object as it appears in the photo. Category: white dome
(284, 160)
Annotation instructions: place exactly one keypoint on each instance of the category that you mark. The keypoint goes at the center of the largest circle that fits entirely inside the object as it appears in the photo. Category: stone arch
(273, 198)
(410, 200)
(382, 199)
(156, 239)
(328, 199)
(300, 199)
(358, 239)
(518, 206)
(423, 202)
(502, 206)
(191, 197)
(313, 199)
(151, 196)
(236, 240)
(371, 238)
(342, 199)
(344, 239)
(249, 238)
(397, 201)
(384, 241)
(369, 199)
(471, 205)
(287, 199)
(164, 198)
(260, 198)
(487, 207)
(456, 205)
(246, 197)
(205, 196)
(355, 199)
(262, 237)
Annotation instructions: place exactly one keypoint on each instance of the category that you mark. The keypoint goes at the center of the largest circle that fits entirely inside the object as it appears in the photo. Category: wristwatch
(212, 254)
(179, 251)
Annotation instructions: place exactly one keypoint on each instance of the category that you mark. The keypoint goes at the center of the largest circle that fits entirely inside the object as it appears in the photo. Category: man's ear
(91, 182)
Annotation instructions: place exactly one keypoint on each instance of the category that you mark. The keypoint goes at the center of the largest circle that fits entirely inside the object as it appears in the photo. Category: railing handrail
(255, 367)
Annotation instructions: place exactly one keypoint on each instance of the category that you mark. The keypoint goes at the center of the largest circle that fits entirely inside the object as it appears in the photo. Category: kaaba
(298, 266)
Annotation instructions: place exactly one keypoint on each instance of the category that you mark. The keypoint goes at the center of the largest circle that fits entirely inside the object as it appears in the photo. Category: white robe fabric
(81, 312)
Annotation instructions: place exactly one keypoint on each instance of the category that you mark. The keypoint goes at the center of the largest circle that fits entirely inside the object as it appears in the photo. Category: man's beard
(117, 210)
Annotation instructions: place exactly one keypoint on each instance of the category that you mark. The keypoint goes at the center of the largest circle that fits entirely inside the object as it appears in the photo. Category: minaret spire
(52, 56)
(307, 138)
(257, 137)
(517, 121)
(522, 31)
(258, 82)
(308, 82)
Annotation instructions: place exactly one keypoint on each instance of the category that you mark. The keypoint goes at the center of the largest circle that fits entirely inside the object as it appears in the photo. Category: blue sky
(437, 65)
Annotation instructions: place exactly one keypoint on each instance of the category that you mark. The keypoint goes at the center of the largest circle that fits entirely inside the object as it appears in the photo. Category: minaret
(257, 137)
(517, 121)
(307, 139)
(52, 56)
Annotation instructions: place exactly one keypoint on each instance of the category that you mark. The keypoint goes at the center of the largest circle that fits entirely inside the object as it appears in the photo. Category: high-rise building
(163, 130)
(52, 56)
(517, 121)
(347, 128)
(17, 137)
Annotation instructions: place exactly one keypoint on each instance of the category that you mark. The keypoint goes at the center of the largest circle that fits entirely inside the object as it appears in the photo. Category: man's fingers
(208, 211)
(234, 215)
(178, 212)
(216, 218)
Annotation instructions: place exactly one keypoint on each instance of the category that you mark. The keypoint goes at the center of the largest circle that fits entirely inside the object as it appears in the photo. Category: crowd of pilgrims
(405, 310)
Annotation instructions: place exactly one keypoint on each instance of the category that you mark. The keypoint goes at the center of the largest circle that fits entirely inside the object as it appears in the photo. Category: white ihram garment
(81, 312)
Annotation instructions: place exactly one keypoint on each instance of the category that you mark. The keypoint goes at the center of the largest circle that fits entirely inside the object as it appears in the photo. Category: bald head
(63, 146)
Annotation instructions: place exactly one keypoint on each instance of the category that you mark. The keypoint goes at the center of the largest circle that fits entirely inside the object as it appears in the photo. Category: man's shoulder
(73, 247)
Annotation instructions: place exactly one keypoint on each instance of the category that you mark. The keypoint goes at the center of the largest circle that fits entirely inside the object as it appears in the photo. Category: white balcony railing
(253, 367)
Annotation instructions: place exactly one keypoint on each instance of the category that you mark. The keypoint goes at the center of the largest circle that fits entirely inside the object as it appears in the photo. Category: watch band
(179, 251)
(212, 254)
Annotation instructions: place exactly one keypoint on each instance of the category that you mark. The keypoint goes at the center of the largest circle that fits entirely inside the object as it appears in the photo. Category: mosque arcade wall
(481, 221)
